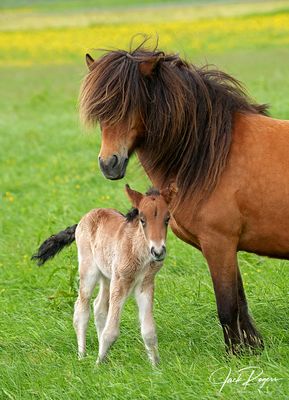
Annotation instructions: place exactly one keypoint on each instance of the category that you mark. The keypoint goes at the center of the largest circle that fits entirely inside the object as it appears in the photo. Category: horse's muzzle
(113, 167)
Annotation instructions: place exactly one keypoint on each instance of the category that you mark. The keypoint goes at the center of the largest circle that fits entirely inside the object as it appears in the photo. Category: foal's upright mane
(187, 112)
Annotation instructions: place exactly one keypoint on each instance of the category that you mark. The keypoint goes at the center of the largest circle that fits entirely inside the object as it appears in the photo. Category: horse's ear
(169, 192)
(89, 61)
(147, 67)
(134, 196)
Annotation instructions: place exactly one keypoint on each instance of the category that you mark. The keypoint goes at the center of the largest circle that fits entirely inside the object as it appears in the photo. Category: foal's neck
(138, 239)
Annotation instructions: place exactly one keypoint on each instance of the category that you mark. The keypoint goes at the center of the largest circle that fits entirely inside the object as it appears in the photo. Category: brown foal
(122, 253)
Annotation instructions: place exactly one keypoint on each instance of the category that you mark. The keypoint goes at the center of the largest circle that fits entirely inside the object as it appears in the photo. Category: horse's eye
(143, 222)
(167, 220)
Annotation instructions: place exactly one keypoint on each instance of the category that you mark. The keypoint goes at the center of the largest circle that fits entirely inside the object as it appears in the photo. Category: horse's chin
(114, 178)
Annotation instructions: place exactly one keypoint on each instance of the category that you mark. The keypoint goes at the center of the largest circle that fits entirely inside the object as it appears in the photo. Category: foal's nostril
(158, 254)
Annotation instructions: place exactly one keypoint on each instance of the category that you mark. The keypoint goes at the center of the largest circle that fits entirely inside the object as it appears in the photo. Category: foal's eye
(143, 222)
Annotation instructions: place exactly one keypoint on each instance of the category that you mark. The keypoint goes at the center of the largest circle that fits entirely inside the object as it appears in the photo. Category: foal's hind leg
(251, 336)
(89, 275)
(101, 304)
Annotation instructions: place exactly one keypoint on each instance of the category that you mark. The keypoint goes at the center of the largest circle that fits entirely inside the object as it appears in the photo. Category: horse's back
(257, 176)
(251, 201)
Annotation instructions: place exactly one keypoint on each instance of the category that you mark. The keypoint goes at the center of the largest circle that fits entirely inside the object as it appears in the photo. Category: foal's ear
(147, 67)
(89, 61)
(169, 192)
(134, 196)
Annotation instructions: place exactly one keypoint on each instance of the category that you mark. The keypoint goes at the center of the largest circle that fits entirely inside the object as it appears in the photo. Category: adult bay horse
(229, 161)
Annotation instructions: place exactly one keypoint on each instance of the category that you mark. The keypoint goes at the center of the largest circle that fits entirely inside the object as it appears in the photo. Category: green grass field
(50, 178)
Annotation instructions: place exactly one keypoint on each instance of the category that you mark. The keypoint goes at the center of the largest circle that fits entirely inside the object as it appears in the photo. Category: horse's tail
(54, 244)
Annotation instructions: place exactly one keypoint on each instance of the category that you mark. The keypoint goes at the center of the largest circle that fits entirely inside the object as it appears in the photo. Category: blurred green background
(50, 178)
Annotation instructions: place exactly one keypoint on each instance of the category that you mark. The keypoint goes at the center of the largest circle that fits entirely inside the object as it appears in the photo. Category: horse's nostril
(101, 163)
(113, 167)
(114, 161)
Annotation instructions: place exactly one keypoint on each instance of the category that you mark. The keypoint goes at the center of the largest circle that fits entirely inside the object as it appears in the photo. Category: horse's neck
(155, 175)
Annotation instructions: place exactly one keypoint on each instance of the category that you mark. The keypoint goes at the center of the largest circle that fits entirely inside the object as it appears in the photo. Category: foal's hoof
(81, 356)
(155, 363)
(154, 359)
(100, 360)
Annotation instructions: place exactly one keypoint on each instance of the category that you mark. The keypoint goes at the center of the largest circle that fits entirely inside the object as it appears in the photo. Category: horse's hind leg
(100, 306)
(251, 336)
(89, 276)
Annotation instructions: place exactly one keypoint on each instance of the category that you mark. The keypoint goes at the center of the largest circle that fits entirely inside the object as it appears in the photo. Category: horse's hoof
(252, 340)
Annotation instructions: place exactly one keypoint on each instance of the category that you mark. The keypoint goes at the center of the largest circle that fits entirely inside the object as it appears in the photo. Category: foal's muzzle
(158, 254)
(113, 167)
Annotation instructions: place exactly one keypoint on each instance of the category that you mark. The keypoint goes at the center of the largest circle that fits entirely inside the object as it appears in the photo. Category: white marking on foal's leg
(144, 298)
(100, 306)
(119, 290)
(88, 278)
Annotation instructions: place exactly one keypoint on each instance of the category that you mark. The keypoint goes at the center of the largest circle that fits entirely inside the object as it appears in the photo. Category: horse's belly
(263, 239)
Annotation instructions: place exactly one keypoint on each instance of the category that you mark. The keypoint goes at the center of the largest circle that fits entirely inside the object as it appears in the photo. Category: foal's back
(106, 239)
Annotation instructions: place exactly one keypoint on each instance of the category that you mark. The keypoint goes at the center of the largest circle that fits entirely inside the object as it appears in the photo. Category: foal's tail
(54, 244)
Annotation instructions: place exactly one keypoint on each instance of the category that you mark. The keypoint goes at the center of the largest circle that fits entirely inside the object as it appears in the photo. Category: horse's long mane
(187, 112)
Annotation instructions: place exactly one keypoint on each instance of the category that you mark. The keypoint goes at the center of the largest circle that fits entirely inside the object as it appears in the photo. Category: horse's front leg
(250, 335)
(221, 256)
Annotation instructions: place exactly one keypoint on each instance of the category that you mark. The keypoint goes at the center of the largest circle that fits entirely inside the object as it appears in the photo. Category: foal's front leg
(119, 290)
(144, 297)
